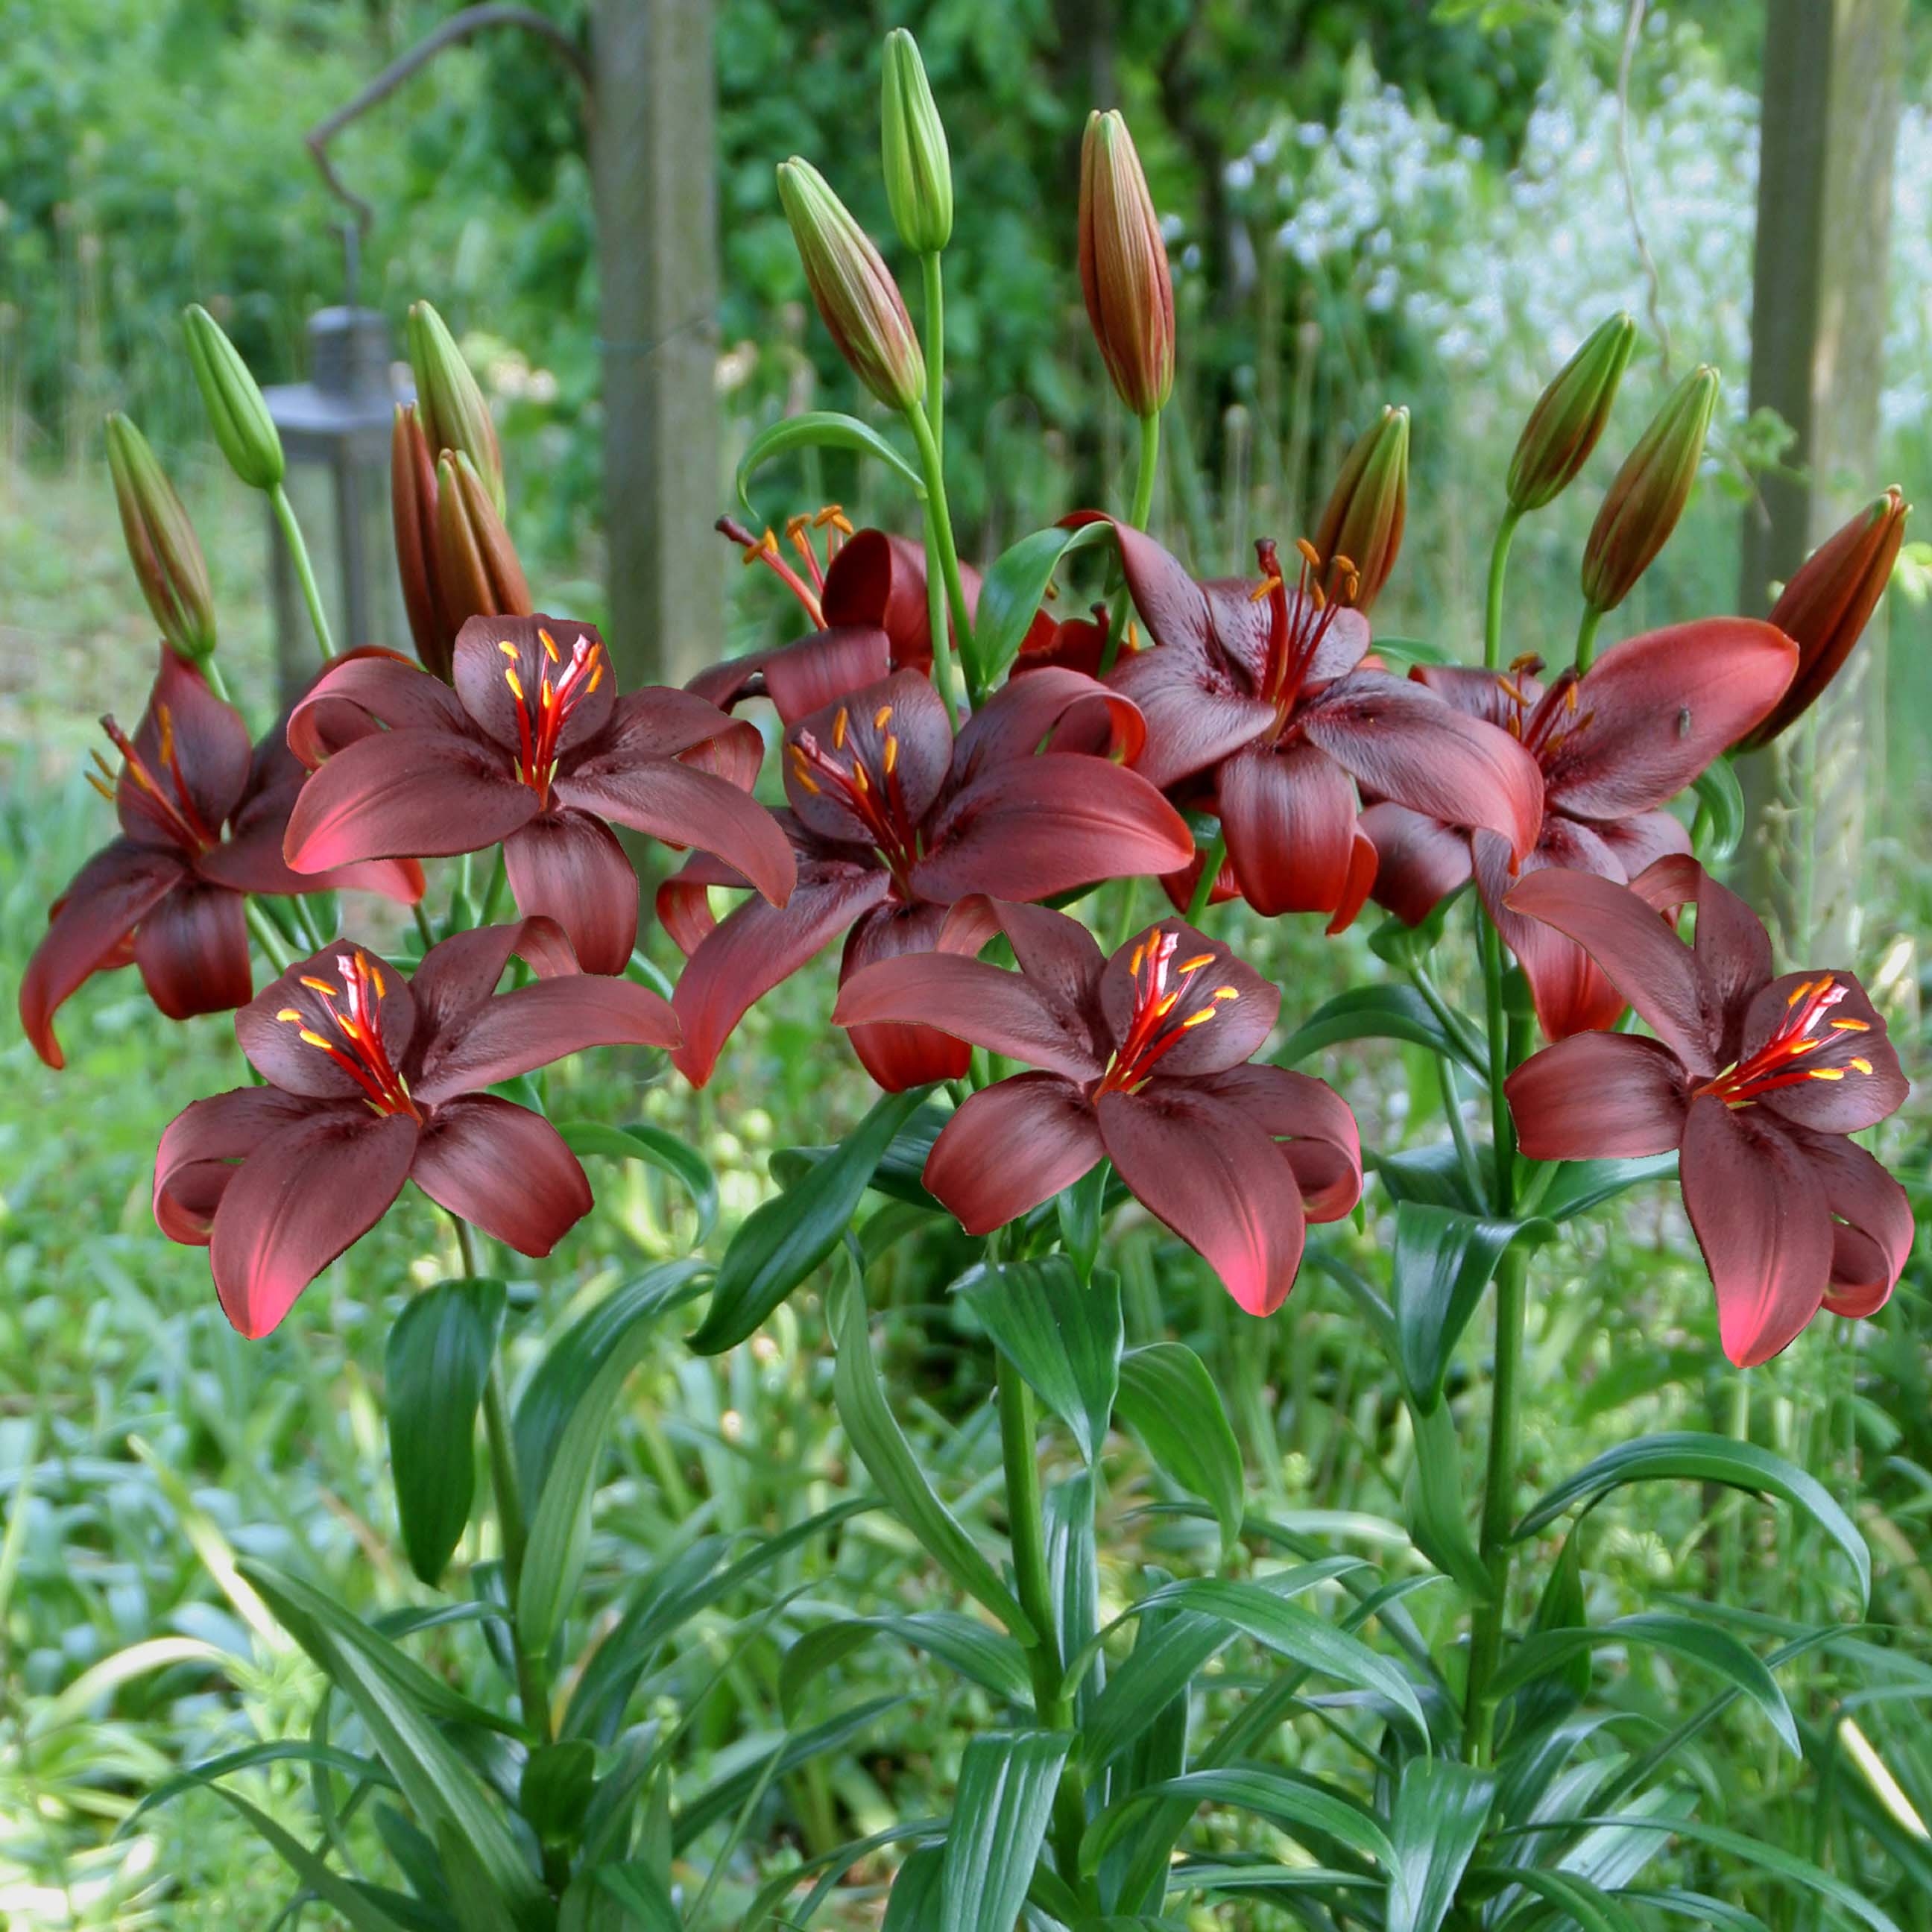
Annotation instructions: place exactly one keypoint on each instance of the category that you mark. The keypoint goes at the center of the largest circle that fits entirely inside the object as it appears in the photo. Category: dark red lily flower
(533, 747)
(894, 820)
(1143, 1060)
(202, 818)
(1613, 746)
(1259, 708)
(1755, 1080)
(374, 1079)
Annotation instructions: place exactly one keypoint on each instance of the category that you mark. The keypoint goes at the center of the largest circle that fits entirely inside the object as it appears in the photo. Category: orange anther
(1226, 993)
(882, 717)
(321, 986)
(892, 754)
(549, 643)
(1853, 1026)
(1195, 965)
(1267, 586)
(1201, 1018)
(1862, 1064)
(290, 1016)
(101, 785)
(514, 682)
(839, 727)
(1825, 1073)
(315, 1039)
(1309, 554)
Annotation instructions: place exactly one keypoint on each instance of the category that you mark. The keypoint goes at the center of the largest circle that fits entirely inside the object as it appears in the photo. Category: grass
(143, 1444)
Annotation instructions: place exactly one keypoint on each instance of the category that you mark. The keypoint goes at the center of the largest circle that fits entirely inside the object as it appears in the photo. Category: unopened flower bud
(454, 415)
(1124, 271)
(1367, 507)
(236, 412)
(412, 506)
(477, 573)
(858, 301)
(1828, 602)
(1648, 493)
(167, 558)
(1569, 416)
(918, 167)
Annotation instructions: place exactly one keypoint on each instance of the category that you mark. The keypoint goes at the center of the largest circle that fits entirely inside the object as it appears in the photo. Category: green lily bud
(161, 542)
(1569, 416)
(236, 412)
(1123, 271)
(1364, 519)
(857, 299)
(1649, 492)
(478, 572)
(454, 415)
(918, 167)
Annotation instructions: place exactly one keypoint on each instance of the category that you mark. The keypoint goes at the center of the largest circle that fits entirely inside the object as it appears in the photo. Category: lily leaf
(821, 429)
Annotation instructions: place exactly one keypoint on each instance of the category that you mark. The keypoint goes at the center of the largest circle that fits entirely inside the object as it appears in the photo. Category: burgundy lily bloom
(374, 1080)
(1756, 1080)
(1258, 707)
(894, 820)
(1143, 1060)
(1613, 745)
(202, 818)
(533, 747)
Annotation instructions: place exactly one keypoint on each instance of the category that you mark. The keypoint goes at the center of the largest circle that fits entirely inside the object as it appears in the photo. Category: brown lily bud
(476, 563)
(454, 415)
(1124, 271)
(1570, 416)
(1364, 519)
(161, 542)
(1648, 494)
(1828, 602)
(413, 505)
(858, 301)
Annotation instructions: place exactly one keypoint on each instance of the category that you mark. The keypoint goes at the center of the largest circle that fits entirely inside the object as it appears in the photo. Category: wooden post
(654, 174)
(1829, 126)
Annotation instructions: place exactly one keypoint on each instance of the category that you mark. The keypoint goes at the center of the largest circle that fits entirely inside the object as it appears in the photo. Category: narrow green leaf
(1441, 1807)
(477, 1907)
(989, 1658)
(881, 1446)
(723, 1798)
(568, 1431)
(640, 1141)
(1438, 1518)
(1062, 1333)
(1290, 1802)
(554, 1791)
(1161, 1664)
(247, 1759)
(780, 1242)
(821, 429)
(438, 1360)
(359, 1911)
(1592, 1909)
(641, 1893)
(900, 1175)
(999, 1816)
(1376, 1012)
(1691, 1457)
(1443, 1260)
(1014, 588)
(1683, 1636)
(1581, 1185)
(1168, 1400)
(1431, 1173)
(914, 1906)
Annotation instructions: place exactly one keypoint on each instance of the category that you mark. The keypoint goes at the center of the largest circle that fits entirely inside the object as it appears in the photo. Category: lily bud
(167, 558)
(1827, 603)
(858, 301)
(1124, 271)
(454, 415)
(413, 505)
(1649, 492)
(478, 572)
(236, 412)
(1369, 505)
(918, 166)
(1569, 416)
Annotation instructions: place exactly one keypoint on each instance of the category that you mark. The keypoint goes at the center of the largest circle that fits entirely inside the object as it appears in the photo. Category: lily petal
(896, 732)
(1852, 1079)
(1212, 1175)
(657, 721)
(1245, 1006)
(482, 665)
(1874, 1234)
(209, 743)
(305, 1194)
(1599, 1096)
(504, 1167)
(799, 677)
(192, 949)
(1288, 814)
(1571, 994)
(898, 1055)
(1419, 860)
(1323, 1145)
(1760, 1211)
(1196, 714)
(1059, 709)
(568, 866)
(203, 1145)
(364, 690)
(274, 1045)
(1010, 1147)
(460, 973)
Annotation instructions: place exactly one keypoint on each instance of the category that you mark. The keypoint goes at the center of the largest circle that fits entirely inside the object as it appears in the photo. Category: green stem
(423, 926)
(267, 936)
(1586, 637)
(939, 544)
(934, 283)
(1459, 1131)
(1211, 870)
(494, 891)
(1027, 1528)
(1492, 614)
(285, 515)
(1143, 508)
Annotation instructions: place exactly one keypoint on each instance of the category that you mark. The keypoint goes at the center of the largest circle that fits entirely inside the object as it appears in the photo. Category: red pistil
(1295, 632)
(1163, 1014)
(357, 1049)
(1777, 1062)
(875, 798)
(162, 795)
(557, 697)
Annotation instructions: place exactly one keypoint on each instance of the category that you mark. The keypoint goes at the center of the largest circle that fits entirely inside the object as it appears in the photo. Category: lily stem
(1211, 870)
(940, 548)
(499, 875)
(1493, 614)
(1026, 1527)
(1148, 469)
(285, 515)
(267, 936)
(1586, 637)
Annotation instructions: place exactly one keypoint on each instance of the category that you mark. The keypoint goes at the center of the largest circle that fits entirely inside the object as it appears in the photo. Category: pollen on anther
(1226, 993)
(515, 683)
(101, 785)
(508, 650)
(1864, 1065)
(882, 717)
(1853, 1026)
(1267, 587)
(315, 1039)
(1825, 1073)
(1195, 965)
(839, 725)
(1310, 555)
(549, 643)
(892, 759)
(321, 986)
(1194, 1020)
(290, 1016)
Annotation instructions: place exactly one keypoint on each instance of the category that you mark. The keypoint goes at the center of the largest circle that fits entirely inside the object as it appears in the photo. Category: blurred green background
(1369, 201)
